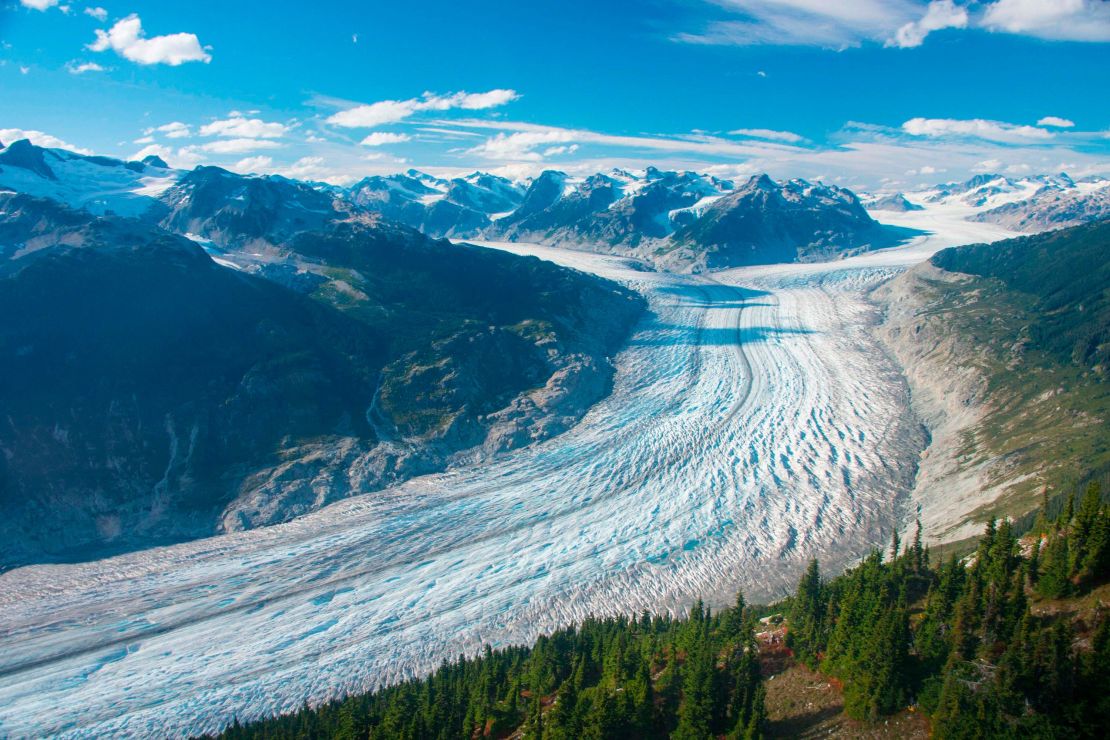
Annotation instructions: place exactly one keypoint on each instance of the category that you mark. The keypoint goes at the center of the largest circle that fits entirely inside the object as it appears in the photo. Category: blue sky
(864, 93)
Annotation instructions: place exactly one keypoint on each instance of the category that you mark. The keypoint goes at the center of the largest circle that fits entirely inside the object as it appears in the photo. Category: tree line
(970, 652)
(648, 677)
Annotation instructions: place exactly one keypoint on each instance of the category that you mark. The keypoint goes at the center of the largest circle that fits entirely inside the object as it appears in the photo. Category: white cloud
(987, 165)
(144, 140)
(253, 164)
(157, 150)
(239, 126)
(182, 158)
(375, 114)
(393, 111)
(525, 138)
(315, 168)
(1056, 121)
(520, 146)
(38, 138)
(975, 128)
(806, 22)
(1058, 20)
(24, 70)
(99, 13)
(555, 151)
(80, 68)
(127, 39)
(172, 130)
(235, 146)
(939, 15)
(38, 4)
(897, 23)
(381, 138)
(766, 133)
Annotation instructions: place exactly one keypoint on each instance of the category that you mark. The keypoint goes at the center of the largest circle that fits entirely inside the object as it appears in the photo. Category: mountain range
(1028, 204)
(679, 220)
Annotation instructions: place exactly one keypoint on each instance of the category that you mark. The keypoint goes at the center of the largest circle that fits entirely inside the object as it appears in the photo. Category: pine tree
(918, 551)
(1053, 583)
(732, 621)
(805, 635)
(696, 712)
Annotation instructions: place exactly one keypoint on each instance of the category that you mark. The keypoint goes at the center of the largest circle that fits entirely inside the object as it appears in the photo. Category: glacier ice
(754, 423)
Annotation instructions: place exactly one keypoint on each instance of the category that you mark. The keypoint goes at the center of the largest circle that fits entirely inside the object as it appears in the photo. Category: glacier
(755, 422)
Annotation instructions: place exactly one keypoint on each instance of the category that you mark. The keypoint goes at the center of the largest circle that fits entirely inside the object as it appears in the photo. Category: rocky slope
(1006, 350)
(152, 395)
(764, 222)
(1052, 208)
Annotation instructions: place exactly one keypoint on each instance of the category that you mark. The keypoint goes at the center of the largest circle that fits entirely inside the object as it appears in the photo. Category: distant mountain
(1053, 208)
(892, 202)
(101, 185)
(608, 210)
(152, 395)
(232, 210)
(458, 207)
(763, 222)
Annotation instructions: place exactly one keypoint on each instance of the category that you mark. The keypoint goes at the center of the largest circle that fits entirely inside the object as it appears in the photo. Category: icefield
(754, 423)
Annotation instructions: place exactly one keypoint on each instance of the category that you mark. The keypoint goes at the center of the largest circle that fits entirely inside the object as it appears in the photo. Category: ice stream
(754, 423)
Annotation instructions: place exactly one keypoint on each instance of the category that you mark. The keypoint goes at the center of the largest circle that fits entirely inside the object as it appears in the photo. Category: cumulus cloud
(253, 164)
(1058, 20)
(555, 151)
(239, 126)
(977, 128)
(38, 4)
(939, 15)
(236, 146)
(393, 111)
(987, 165)
(80, 68)
(521, 146)
(99, 13)
(381, 138)
(316, 168)
(1056, 121)
(38, 138)
(127, 39)
(766, 133)
(172, 130)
